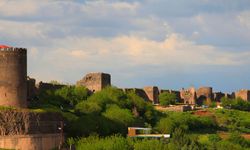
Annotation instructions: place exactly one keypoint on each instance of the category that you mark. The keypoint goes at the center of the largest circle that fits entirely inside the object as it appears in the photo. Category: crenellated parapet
(13, 50)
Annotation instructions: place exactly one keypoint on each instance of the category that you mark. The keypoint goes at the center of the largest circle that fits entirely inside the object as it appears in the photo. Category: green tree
(117, 114)
(72, 94)
(110, 95)
(87, 107)
(166, 98)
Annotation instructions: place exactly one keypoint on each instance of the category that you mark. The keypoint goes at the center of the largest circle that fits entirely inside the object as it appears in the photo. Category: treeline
(106, 112)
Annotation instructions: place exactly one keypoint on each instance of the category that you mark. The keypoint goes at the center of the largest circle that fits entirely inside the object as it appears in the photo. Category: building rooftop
(4, 46)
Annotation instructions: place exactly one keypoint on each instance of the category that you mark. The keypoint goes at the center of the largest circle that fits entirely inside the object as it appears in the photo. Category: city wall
(31, 142)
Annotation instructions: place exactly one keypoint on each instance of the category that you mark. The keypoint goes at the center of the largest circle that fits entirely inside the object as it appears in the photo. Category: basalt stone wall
(23, 122)
(218, 96)
(32, 142)
(48, 86)
(139, 92)
(178, 108)
(188, 96)
(152, 93)
(204, 94)
(31, 88)
(95, 81)
(231, 96)
(13, 74)
(243, 94)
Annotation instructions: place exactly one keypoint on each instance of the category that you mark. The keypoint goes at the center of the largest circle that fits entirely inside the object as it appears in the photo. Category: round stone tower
(13, 76)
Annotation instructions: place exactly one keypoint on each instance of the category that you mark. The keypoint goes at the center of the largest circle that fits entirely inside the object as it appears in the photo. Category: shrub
(214, 138)
(180, 140)
(147, 144)
(237, 103)
(109, 143)
(236, 138)
(184, 121)
(226, 145)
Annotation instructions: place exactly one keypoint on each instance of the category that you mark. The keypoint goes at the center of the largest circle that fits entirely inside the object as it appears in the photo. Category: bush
(236, 138)
(184, 121)
(109, 143)
(180, 140)
(233, 120)
(237, 103)
(214, 138)
(226, 145)
(166, 98)
(147, 144)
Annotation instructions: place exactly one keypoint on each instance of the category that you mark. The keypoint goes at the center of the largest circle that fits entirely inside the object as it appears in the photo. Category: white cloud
(141, 51)
(109, 8)
(244, 18)
(21, 30)
(18, 8)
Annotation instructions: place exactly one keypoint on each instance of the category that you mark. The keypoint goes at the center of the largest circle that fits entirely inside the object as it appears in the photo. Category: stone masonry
(188, 95)
(243, 94)
(13, 77)
(95, 81)
(152, 93)
(204, 94)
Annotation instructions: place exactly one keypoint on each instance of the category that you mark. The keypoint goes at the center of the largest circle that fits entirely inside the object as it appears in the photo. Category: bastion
(188, 96)
(152, 93)
(243, 94)
(204, 94)
(95, 81)
(13, 76)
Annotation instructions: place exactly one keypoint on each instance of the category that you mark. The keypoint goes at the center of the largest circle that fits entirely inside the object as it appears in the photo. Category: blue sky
(170, 44)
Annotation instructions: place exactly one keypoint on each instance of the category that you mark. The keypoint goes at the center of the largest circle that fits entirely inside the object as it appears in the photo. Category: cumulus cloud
(175, 49)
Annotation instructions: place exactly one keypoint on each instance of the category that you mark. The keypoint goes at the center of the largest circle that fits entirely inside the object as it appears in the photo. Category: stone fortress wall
(97, 81)
(243, 94)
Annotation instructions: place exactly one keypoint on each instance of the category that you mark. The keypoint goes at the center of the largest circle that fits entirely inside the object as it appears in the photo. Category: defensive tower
(204, 94)
(95, 81)
(13, 76)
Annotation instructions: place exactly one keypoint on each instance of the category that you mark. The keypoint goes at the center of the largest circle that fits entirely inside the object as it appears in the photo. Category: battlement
(13, 50)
